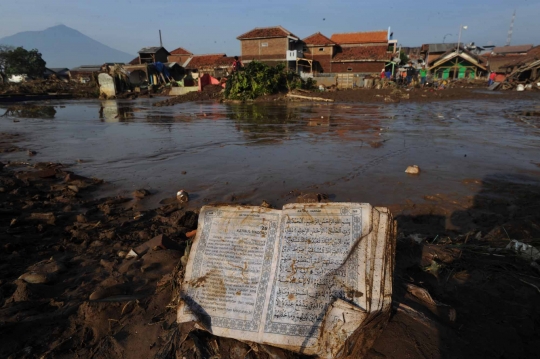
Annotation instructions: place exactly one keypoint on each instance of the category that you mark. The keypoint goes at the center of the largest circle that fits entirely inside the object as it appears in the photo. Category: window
(349, 69)
(321, 48)
(305, 49)
(264, 44)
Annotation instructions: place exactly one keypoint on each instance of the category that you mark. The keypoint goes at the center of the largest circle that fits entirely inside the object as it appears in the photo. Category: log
(310, 98)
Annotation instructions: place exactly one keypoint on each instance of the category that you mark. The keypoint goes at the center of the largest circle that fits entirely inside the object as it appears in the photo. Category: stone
(413, 170)
(182, 196)
(141, 193)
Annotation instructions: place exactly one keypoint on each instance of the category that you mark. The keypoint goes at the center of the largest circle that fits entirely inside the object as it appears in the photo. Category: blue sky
(210, 26)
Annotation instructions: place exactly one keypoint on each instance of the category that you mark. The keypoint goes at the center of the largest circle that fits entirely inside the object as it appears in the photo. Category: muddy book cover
(305, 278)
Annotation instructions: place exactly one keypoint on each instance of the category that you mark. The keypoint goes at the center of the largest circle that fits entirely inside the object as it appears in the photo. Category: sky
(211, 26)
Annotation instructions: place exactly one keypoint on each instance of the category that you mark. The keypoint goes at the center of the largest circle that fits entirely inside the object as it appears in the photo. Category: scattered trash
(526, 251)
(182, 196)
(413, 170)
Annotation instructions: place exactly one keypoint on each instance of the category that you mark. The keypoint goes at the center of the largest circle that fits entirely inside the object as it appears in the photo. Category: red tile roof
(207, 61)
(318, 39)
(512, 49)
(370, 37)
(363, 53)
(266, 33)
(135, 61)
(181, 51)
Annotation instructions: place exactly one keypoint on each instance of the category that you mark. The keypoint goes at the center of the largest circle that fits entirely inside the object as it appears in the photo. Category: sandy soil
(67, 291)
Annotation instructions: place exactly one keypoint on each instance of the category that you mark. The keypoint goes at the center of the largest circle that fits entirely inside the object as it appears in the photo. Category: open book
(305, 278)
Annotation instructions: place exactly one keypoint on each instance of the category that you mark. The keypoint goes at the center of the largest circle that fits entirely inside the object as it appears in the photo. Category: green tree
(403, 57)
(4, 49)
(20, 61)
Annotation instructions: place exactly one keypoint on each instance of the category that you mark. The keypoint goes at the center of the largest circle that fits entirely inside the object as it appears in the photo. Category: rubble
(413, 170)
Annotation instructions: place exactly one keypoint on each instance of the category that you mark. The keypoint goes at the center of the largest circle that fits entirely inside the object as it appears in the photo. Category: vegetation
(404, 58)
(257, 79)
(18, 61)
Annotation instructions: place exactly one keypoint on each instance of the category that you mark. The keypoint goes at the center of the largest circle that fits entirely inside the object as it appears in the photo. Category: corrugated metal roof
(512, 49)
(441, 47)
(150, 50)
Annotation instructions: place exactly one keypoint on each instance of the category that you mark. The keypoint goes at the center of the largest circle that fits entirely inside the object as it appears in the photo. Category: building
(85, 73)
(431, 52)
(271, 45)
(320, 50)
(524, 68)
(363, 52)
(179, 55)
(458, 64)
(149, 55)
(61, 73)
(216, 65)
(515, 50)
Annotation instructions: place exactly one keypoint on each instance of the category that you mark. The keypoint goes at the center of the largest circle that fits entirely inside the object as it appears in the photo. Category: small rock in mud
(43, 272)
(413, 170)
(141, 193)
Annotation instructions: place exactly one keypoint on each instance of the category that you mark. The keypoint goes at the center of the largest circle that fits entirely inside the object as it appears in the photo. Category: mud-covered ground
(67, 290)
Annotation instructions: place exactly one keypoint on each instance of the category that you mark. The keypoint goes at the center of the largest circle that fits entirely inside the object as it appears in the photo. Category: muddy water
(247, 153)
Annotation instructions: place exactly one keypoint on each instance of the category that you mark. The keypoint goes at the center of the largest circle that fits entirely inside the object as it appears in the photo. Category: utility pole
(461, 27)
(511, 31)
(160, 41)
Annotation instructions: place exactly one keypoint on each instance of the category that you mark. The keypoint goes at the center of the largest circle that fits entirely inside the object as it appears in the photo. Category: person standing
(492, 77)
(423, 76)
(237, 64)
(411, 72)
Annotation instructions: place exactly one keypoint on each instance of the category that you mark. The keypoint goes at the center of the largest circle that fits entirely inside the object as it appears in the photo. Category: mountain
(62, 46)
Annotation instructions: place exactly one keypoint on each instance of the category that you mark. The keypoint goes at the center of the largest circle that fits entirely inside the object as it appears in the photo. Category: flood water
(249, 153)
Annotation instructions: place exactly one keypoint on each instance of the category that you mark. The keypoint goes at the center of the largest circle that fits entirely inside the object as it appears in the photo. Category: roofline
(267, 37)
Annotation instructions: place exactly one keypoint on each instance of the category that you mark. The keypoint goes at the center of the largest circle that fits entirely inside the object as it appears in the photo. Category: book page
(227, 275)
(319, 263)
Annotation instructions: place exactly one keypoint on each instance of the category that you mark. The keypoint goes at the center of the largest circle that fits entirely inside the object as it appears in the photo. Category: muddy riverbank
(479, 187)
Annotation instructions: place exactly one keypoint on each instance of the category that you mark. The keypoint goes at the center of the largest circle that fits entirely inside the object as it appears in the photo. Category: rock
(265, 204)
(122, 254)
(159, 242)
(312, 198)
(43, 272)
(182, 196)
(35, 278)
(141, 193)
(48, 217)
(70, 177)
(413, 170)
(46, 173)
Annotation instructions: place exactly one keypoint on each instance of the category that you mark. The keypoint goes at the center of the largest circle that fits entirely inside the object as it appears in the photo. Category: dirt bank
(80, 296)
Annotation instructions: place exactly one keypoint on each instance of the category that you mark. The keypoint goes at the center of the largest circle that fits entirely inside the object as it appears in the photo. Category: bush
(258, 79)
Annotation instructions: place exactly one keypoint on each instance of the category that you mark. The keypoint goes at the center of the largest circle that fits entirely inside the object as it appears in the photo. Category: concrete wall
(372, 67)
(177, 91)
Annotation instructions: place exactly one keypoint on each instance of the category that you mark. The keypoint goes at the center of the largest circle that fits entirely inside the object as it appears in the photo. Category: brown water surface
(249, 153)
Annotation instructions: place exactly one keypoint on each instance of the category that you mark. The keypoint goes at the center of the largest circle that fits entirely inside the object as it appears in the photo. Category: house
(458, 64)
(148, 55)
(61, 73)
(363, 52)
(320, 50)
(216, 65)
(525, 68)
(515, 50)
(271, 45)
(431, 52)
(179, 55)
(501, 58)
(85, 73)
